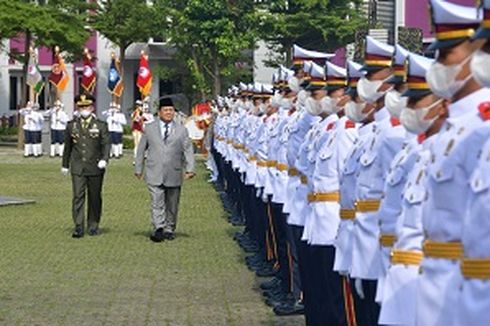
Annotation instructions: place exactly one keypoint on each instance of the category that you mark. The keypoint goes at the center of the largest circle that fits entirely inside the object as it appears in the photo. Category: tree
(323, 25)
(124, 22)
(212, 38)
(57, 22)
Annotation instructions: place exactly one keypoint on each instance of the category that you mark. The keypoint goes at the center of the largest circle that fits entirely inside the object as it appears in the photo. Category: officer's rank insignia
(75, 135)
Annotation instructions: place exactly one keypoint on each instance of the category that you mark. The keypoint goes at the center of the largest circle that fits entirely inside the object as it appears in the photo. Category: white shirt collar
(381, 114)
(468, 104)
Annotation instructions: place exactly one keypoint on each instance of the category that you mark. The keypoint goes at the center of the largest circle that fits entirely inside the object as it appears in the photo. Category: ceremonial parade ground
(119, 277)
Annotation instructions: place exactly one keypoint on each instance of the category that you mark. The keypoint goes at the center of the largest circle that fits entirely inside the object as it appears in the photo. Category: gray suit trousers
(164, 207)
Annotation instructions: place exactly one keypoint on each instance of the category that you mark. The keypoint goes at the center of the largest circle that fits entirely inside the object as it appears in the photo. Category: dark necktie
(165, 136)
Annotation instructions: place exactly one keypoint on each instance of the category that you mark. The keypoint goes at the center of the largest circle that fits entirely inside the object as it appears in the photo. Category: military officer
(453, 159)
(86, 154)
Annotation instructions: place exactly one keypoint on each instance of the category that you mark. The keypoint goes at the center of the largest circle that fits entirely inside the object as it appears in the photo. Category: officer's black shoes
(265, 272)
(77, 233)
(169, 236)
(157, 236)
(270, 284)
(290, 309)
(94, 232)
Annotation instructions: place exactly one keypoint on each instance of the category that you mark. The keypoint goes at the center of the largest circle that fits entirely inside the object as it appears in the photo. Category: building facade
(11, 77)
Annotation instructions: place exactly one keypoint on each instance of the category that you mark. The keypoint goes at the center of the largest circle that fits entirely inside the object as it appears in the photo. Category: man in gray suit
(169, 159)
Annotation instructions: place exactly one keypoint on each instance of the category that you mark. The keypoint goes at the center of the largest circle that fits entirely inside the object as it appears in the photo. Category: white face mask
(262, 108)
(329, 105)
(353, 111)
(442, 79)
(313, 106)
(394, 102)
(276, 100)
(414, 120)
(294, 83)
(368, 89)
(85, 113)
(302, 96)
(480, 67)
(286, 103)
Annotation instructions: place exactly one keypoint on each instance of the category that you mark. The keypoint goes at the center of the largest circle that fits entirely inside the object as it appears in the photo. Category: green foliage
(323, 25)
(8, 131)
(210, 36)
(126, 21)
(58, 22)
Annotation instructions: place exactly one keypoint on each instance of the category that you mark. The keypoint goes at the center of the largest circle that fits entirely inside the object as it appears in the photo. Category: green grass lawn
(120, 277)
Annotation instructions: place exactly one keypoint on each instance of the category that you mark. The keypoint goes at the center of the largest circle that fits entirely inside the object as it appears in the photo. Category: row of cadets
(115, 122)
(33, 125)
(323, 221)
(308, 76)
(385, 140)
(304, 164)
(58, 121)
(395, 179)
(360, 133)
(398, 303)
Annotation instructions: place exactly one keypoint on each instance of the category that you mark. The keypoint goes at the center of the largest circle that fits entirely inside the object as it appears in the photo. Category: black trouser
(57, 136)
(326, 292)
(219, 165)
(260, 221)
(294, 278)
(367, 310)
(249, 211)
(80, 185)
(280, 230)
(303, 266)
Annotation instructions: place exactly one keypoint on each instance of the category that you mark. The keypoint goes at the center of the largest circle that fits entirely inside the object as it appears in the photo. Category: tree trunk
(288, 46)
(216, 78)
(27, 54)
(199, 71)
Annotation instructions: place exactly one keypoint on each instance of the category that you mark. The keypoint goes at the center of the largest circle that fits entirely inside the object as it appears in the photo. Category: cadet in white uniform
(33, 125)
(115, 121)
(59, 120)
(474, 302)
(403, 161)
(454, 155)
(323, 223)
(400, 287)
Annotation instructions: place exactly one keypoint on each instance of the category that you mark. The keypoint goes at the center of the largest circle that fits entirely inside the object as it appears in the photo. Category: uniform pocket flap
(442, 173)
(396, 176)
(368, 158)
(414, 195)
(479, 181)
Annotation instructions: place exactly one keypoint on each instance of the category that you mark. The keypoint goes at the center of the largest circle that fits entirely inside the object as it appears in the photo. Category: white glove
(64, 172)
(102, 164)
(359, 290)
